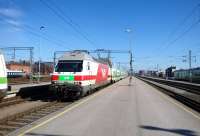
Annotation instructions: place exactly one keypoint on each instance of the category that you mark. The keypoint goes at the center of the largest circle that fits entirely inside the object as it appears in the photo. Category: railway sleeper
(3, 132)
(18, 124)
(35, 114)
(8, 103)
(53, 110)
(7, 128)
(38, 114)
(23, 120)
(31, 117)
(57, 107)
(44, 112)
(54, 106)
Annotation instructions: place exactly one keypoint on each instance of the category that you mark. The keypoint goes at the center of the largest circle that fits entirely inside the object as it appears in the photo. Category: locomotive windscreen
(69, 66)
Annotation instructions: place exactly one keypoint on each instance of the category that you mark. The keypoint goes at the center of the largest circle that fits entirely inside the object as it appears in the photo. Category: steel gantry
(14, 49)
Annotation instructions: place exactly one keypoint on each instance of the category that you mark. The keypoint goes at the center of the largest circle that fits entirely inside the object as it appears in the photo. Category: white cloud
(11, 16)
(13, 22)
(10, 12)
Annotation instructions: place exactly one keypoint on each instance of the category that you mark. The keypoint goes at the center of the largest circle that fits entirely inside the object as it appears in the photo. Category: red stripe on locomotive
(102, 73)
(85, 77)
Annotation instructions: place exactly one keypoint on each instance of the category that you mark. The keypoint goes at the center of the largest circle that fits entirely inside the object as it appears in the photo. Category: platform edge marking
(60, 114)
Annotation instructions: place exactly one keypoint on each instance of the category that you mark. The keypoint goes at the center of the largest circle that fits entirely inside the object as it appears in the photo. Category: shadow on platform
(39, 134)
(182, 132)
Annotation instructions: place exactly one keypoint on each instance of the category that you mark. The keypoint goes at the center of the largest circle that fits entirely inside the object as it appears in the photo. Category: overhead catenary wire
(63, 13)
(60, 14)
(47, 37)
(171, 42)
(183, 21)
(32, 31)
(183, 34)
(188, 16)
(44, 18)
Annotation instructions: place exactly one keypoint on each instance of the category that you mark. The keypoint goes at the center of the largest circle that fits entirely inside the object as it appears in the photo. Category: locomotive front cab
(66, 70)
(64, 78)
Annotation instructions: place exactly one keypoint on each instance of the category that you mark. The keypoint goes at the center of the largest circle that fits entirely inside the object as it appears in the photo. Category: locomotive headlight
(54, 77)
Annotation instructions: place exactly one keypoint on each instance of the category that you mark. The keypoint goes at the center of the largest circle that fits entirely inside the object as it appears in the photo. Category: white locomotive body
(3, 77)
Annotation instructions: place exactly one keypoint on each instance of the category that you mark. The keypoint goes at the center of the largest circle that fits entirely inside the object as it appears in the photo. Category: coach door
(90, 75)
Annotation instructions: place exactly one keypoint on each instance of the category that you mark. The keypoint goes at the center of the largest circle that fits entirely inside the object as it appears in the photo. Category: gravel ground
(17, 108)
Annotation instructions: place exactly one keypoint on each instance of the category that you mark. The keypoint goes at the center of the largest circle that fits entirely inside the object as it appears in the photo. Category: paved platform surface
(122, 110)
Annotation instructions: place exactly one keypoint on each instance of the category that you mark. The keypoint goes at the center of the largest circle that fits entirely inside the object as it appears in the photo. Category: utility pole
(14, 55)
(190, 59)
(131, 63)
(54, 59)
(190, 65)
(31, 65)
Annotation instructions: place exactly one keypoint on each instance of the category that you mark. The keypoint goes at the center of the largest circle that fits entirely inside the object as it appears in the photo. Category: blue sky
(102, 24)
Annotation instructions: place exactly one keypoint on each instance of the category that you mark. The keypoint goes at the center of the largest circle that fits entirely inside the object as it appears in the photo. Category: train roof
(198, 68)
(8, 70)
(82, 55)
(76, 55)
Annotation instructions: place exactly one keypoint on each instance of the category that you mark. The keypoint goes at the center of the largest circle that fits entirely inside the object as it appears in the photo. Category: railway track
(14, 122)
(11, 101)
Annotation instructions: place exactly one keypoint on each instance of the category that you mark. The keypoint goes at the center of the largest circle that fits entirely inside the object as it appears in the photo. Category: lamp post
(39, 62)
(129, 31)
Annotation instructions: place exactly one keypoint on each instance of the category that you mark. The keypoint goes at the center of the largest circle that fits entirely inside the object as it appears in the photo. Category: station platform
(121, 110)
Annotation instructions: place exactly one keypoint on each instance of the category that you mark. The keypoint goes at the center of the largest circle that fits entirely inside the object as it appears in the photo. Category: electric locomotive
(77, 73)
(3, 76)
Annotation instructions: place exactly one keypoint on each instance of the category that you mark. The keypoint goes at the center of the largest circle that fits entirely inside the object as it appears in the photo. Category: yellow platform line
(60, 114)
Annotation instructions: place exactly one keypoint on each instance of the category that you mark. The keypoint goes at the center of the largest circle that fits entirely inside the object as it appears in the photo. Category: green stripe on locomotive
(3, 80)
